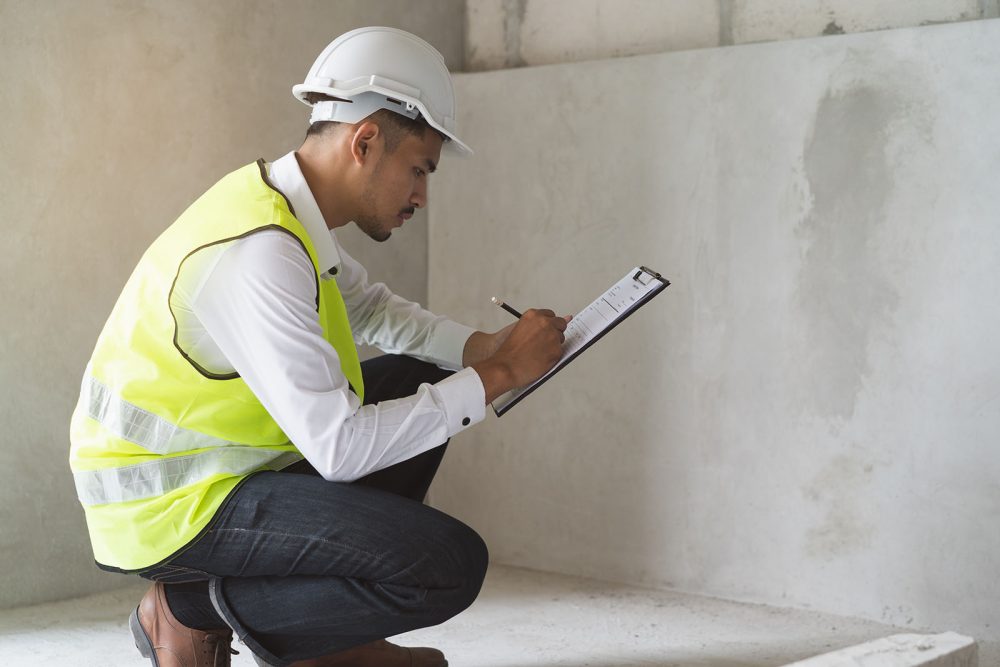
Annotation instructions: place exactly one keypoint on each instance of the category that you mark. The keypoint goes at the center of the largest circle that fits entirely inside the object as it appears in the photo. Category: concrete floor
(521, 619)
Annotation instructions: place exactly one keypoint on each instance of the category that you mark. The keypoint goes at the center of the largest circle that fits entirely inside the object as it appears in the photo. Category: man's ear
(363, 142)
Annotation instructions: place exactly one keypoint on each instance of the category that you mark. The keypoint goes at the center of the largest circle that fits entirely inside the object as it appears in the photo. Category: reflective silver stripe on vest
(130, 422)
(156, 478)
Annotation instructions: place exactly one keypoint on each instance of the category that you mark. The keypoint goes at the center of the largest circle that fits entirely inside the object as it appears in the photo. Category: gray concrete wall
(115, 117)
(809, 416)
(515, 33)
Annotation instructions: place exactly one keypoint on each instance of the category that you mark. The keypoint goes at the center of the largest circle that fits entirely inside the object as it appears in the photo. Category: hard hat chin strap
(360, 107)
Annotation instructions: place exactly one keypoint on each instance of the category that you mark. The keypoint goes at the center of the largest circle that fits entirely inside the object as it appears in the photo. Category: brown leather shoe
(376, 654)
(161, 638)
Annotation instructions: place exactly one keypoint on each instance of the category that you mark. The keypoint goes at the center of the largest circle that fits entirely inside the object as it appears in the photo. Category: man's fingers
(545, 312)
(549, 318)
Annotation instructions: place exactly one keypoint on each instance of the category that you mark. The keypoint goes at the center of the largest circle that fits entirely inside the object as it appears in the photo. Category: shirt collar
(286, 175)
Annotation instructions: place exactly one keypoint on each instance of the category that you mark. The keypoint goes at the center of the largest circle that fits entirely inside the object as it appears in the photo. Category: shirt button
(466, 421)
(333, 271)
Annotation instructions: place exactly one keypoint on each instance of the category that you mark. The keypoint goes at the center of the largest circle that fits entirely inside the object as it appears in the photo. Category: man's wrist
(496, 377)
(478, 348)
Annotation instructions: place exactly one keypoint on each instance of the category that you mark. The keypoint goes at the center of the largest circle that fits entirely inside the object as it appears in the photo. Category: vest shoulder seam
(198, 367)
(267, 181)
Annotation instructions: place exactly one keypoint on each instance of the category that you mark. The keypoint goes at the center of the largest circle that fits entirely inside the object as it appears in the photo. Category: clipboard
(607, 311)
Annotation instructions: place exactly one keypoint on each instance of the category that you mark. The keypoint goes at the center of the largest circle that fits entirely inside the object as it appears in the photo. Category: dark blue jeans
(301, 567)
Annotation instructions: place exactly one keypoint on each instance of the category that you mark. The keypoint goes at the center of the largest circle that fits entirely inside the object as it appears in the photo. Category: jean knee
(481, 559)
(474, 563)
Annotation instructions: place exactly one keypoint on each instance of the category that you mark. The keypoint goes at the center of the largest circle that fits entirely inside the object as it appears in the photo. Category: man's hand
(523, 352)
(481, 346)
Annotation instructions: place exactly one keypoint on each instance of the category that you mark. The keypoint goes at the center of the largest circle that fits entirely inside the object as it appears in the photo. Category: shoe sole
(142, 640)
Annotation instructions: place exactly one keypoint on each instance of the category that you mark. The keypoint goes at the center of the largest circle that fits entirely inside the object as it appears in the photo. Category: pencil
(503, 305)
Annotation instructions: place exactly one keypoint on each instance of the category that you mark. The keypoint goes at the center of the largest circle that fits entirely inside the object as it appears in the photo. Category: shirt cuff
(447, 344)
(464, 400)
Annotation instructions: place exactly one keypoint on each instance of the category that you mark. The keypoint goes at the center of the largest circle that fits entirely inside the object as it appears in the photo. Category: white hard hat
(383, 68)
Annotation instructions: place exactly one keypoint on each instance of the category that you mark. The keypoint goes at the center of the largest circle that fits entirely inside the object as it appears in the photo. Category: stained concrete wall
(515, 33)
(116, 115)
(809, 415)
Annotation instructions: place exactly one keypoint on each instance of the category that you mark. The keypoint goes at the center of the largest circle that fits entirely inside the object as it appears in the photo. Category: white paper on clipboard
(620, 300)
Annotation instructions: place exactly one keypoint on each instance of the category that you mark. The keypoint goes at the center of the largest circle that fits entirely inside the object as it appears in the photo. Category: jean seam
(357, 550)
(297, 536)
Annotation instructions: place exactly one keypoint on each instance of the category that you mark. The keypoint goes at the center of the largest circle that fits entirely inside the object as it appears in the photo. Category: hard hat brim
(453, 145)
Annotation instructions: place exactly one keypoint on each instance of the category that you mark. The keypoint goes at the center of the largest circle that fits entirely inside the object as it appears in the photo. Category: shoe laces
(219, 649)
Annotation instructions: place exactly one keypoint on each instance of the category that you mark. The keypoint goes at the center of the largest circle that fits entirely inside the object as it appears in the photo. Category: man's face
(398, 184)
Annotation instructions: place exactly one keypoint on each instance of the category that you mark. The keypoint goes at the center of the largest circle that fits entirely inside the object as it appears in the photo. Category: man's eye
(418, 171)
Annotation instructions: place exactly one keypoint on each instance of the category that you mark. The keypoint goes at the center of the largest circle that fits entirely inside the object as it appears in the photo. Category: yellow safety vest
(158, 443)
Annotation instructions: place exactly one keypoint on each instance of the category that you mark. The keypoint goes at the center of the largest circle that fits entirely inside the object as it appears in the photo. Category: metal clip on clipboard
(588, 326)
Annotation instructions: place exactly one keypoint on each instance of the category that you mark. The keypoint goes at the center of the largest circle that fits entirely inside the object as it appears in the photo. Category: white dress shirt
(249, 306)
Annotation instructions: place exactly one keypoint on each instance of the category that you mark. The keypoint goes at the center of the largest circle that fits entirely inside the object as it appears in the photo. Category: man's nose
(419, 196)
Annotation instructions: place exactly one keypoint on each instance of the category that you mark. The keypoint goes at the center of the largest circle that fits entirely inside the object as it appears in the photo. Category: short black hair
(395, 127)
